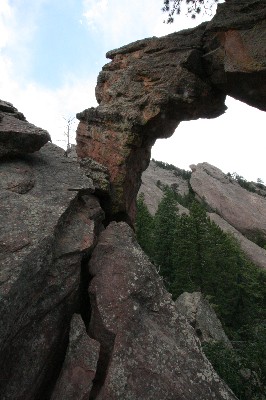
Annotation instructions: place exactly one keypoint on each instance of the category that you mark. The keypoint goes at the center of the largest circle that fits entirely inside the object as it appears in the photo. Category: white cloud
(42, 106)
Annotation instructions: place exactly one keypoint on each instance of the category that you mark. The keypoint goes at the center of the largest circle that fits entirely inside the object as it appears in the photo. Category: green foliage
(233, 366)
(170, 167)
(165, 221)
(194, 254)
(144, 226)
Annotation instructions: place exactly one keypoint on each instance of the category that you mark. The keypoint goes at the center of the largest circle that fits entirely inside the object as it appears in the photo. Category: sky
(51, 52)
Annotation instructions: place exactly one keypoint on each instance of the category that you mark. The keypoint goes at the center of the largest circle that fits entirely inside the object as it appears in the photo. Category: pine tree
(165, 221)
(144, 226)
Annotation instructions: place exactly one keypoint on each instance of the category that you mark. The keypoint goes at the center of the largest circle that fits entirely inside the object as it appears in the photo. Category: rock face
(197, 310)
(253, 252)
(17, 136)
(148, 350)
(140, 102)
(235, 50)
(49, 222)
(242, 209)
(78, 371)
(152, 182)
(150, 86)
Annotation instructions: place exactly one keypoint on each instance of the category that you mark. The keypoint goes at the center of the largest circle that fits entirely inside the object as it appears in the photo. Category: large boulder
(244, 210)
(17, 136)
(49, 222)
(148, 349)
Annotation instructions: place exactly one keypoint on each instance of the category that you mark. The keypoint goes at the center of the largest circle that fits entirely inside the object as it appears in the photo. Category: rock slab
(148, 349)
(17, 136)
(49, 222)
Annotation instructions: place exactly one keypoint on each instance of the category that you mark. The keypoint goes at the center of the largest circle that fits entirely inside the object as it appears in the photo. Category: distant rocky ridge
(234, 209)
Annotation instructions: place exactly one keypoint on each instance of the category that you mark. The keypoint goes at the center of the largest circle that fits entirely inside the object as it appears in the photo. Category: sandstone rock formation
(78, 371)
(254, 253)
(49, 223)
(242, 209)
(150, 86)
(148, 350)
(17, 136)
(139, 346)
(152, 182)
(201, 316)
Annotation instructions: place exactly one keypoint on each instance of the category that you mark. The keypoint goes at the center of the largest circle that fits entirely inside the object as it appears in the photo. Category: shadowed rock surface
(17, 136)
(201, 316)
(49, 220)
(78, 371)
(148, 350)
(150, 86)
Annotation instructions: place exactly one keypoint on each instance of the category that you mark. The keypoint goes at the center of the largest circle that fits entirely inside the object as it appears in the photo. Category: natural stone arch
(150, 86)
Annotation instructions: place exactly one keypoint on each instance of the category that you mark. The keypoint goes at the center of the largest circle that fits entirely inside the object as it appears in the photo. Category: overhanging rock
(150, 86)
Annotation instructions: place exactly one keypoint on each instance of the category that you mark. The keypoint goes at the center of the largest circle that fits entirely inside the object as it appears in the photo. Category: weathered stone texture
(78, 371)
(235, 47)
(201, 316)
(49, 221)
(140, 102)
(152, 182)
(148, 350)
(17, 136)
(150, 86)
(244, 210)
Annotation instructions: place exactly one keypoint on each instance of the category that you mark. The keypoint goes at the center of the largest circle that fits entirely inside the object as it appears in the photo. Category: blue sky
(51, 52)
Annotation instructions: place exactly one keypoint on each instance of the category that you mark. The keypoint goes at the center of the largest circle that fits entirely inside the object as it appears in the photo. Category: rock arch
(150, 86)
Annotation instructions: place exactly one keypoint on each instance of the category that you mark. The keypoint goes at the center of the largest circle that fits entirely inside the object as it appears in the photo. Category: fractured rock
(201, 316)
(17, 136)
(49, 222)
(148, 349)
(78, 371)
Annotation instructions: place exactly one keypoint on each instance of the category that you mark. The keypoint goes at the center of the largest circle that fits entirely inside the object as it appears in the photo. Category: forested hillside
(193, 254)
